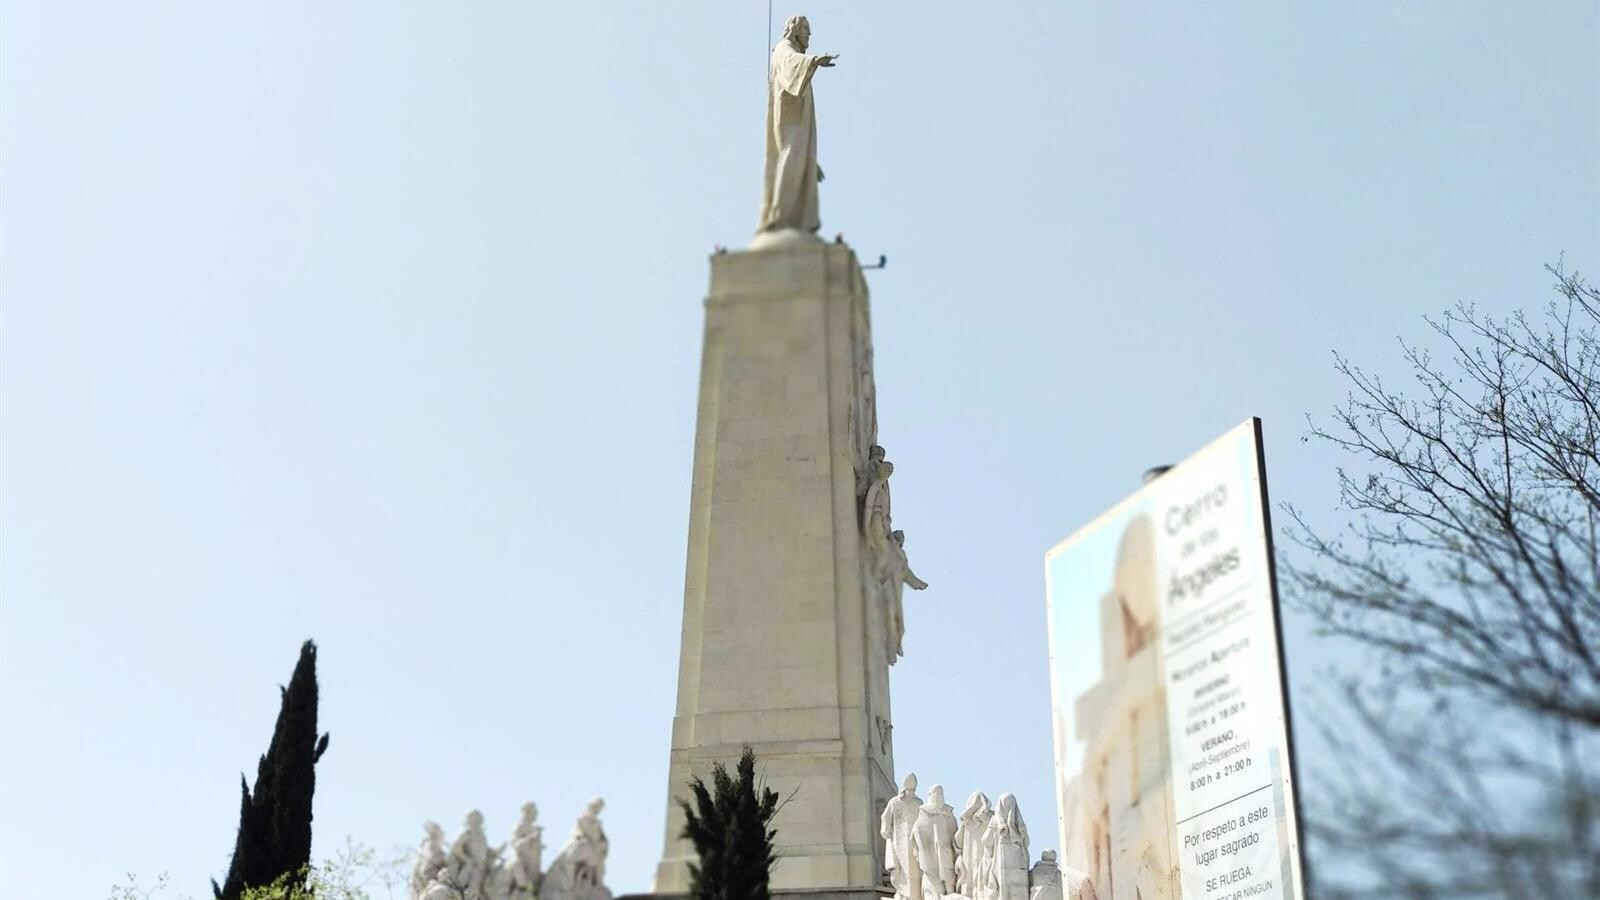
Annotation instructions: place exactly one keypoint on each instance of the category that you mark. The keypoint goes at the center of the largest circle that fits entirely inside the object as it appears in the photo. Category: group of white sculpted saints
(930, 854)
(472, 870)
(889, 570)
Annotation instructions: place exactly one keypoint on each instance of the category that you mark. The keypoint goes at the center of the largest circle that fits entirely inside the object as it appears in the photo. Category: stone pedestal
(782, 648)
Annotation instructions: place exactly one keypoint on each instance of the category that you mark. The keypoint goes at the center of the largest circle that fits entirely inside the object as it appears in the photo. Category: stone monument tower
(791, 610)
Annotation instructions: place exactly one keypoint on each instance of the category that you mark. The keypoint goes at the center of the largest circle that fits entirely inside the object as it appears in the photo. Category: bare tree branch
(1466, 761)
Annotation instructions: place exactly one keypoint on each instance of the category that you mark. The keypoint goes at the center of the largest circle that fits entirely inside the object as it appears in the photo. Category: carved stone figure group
(888, 569)
(472, 870)
(930, 854)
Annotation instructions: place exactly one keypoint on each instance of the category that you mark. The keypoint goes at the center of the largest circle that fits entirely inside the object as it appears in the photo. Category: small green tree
(729, 824)
(274, 841)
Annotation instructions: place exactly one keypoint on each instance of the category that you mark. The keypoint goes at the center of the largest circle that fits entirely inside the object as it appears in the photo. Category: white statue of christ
(789, 196)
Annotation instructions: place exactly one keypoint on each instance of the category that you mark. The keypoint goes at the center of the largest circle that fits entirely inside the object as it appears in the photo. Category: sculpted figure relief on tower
(864, 408)
(789, 197)
(888, 569)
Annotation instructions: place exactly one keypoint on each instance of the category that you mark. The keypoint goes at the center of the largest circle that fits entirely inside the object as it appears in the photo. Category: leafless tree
(1460, 755)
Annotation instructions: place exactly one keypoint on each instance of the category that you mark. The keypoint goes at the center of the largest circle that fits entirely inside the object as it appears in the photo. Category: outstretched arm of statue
(917, 584)
(826, 60)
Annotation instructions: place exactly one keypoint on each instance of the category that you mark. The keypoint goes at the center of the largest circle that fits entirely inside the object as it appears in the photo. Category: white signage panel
(1172, 743)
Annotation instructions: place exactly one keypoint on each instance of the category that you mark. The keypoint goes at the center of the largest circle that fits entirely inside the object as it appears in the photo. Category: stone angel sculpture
(889, 569)
(934, 839)
(1044, 879)
(469, 857)
(578, 871)
(1006, 843)
(971, 863)
(899, 851)
(895, 575)
(432, 859)
(527, 853)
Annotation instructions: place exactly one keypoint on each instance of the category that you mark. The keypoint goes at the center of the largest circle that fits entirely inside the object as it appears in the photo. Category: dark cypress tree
(275, 820)
(729, 825)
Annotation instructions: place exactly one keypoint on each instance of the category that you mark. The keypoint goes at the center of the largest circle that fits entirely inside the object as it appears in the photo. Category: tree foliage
(274, 840)
(354, 873)
(729, 824)
(1466, 758)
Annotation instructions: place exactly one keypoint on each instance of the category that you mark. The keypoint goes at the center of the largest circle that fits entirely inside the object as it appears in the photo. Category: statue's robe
(899, 853)
(933, 837)
(789, 197)
(971, 865)
(1006, 840)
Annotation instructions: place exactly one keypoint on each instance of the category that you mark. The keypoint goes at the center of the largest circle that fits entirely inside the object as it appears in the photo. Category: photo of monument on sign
(1122, 789)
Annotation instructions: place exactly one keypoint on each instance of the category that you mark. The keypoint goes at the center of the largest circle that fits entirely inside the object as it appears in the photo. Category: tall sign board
(1173, 768)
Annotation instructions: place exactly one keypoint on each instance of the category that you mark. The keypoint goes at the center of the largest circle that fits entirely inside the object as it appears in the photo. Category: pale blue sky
(379, 323)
